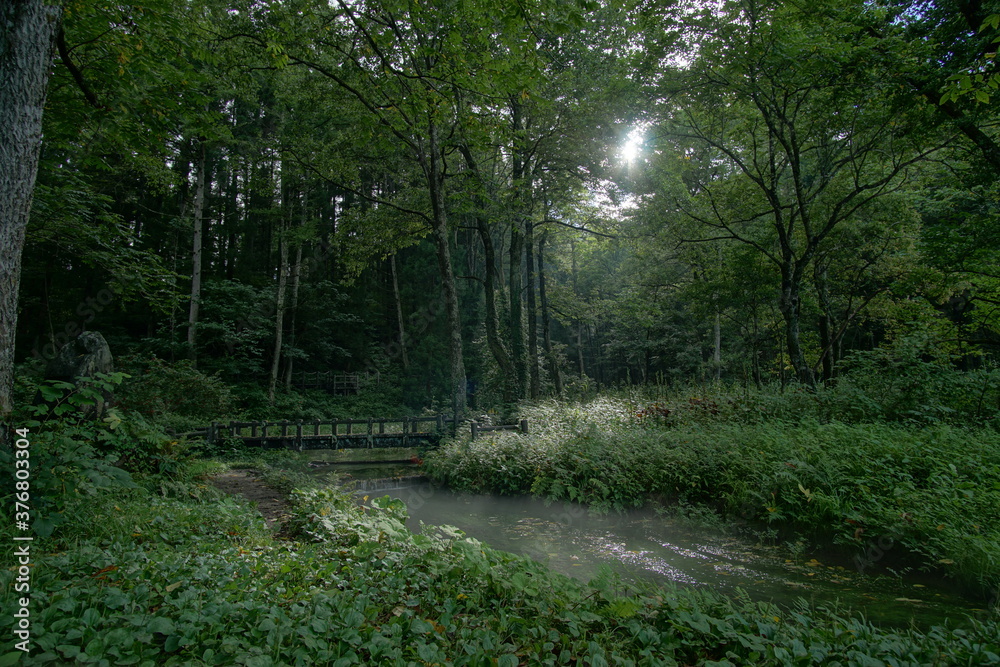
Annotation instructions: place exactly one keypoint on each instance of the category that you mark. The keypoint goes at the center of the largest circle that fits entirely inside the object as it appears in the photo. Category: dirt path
(271, 504)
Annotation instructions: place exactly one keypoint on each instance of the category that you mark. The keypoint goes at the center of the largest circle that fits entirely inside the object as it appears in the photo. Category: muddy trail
(272, 504)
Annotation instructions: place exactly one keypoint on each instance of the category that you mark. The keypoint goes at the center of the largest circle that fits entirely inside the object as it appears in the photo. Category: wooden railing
(343, 433)
(477, 429)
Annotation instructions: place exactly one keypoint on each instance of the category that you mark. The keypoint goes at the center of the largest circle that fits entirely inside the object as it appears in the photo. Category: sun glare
(632, 147)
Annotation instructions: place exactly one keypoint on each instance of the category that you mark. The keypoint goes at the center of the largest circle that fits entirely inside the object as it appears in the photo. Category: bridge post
(253, 429)
(440, 422)
(298, 435)
(475, 430)
(524, 426)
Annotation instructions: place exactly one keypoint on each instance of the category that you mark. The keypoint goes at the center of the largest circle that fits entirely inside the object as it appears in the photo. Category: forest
(485, 204)
(740, 255)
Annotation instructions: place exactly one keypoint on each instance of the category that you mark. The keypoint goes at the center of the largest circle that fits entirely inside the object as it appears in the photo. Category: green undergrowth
(880, 491)
(148, 564)
(140, 576)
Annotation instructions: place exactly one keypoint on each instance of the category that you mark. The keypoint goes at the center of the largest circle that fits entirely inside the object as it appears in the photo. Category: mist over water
(641, 545)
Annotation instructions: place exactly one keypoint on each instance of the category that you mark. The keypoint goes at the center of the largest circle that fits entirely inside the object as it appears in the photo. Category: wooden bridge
(344, 433)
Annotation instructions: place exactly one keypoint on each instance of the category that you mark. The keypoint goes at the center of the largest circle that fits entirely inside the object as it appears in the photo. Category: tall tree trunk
(579, 322)
(517, 347)
(199, 209)
(493, 341)
(232, 218)
(296, 274)
(401, 330)
(279, 317)
(790, 307)
(519, 177)
(296, 277)
(433, 166)
(26, 51)
(717, 327)
(546, 328)
(826, 343)
(717, 346)
(534, 386)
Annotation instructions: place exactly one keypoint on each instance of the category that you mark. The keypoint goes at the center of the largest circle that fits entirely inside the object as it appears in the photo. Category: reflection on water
(642, 545)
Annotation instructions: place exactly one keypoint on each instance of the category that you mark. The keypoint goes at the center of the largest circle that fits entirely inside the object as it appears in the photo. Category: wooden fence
(477, 429)
(343, 433)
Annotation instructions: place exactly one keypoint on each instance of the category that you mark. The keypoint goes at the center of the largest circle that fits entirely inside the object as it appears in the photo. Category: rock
(84, 357)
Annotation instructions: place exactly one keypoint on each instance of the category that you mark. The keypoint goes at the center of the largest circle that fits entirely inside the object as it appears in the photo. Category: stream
(642, 545)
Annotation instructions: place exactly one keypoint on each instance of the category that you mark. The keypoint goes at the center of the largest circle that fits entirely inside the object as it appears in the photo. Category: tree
(783, 123)
(26, 50)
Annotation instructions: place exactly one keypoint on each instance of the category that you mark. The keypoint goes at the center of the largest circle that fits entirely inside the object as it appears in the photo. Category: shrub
(174, 394)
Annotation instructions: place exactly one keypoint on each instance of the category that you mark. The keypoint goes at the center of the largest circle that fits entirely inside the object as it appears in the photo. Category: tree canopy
(437, 191)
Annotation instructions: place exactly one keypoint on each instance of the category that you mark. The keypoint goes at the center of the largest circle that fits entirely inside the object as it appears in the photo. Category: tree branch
(76, 73)
(579, 229)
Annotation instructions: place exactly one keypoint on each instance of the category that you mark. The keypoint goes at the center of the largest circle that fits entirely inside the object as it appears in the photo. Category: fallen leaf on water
(908, 600)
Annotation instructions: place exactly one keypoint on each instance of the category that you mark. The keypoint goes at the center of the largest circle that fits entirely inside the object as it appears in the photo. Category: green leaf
(95, 647)
(10, 658)
(43, 527)
(259, 661)
(50, 394)
(69, 651)
(160, 624)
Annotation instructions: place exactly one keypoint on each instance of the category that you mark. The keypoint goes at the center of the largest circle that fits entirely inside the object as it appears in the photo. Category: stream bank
(642, 545)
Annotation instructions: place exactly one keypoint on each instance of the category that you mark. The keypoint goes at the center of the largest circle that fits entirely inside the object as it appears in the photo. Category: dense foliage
(162, 570)
(490, 203)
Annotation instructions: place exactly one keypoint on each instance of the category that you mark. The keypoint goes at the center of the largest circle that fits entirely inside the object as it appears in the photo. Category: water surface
(642, 545)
